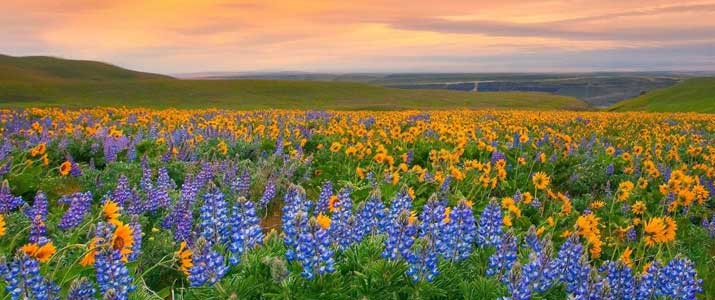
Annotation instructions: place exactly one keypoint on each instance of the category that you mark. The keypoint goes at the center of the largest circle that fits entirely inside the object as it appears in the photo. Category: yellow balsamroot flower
(588, 228)
(88, 258)
(360, 172)
(550, 221)
(526, 198)
(540, 180)
(638, 208)
(659, 230)
(412, 218)
(110, 210)
(685, 197)
(222, 147)
(411, 193)
(41, 253)
(626, 257)
(597, 205)
(507, 220)
(447, 212)
(331, 203)
(123, 240)
(610, 150)
(183, 255)
(323, 221)
(335, 147)
(38, 150)
(2, 226)
(65, 168)
(395, 178)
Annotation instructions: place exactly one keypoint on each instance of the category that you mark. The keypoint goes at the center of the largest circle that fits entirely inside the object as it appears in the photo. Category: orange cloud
(185, 36)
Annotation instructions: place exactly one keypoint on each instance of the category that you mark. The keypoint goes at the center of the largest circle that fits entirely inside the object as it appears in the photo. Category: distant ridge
(42, 81)
(46, 68)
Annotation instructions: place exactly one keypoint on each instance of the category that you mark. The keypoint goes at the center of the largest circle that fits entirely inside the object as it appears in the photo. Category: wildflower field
(112, 203)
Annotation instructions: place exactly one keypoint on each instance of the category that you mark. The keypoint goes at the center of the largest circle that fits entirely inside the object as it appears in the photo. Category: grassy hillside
(41, 81)
(44, 68)
(252, 94)
(691, 95)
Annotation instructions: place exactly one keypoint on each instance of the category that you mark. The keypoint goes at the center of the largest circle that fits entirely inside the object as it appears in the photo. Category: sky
(367, 35)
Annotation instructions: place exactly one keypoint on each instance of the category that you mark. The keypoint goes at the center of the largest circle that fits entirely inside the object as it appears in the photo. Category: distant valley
(597, 89)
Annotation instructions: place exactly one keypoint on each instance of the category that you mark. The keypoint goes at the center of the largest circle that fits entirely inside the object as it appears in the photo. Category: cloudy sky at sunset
(367, 35)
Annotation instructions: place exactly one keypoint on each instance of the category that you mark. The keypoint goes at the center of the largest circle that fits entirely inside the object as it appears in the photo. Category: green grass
(46, 81)
(256, 94)
(691, 95)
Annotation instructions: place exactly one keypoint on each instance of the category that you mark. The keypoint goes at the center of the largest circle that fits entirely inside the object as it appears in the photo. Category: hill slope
(691, 95)
(253, 94)
(45, 68)
(41, 81)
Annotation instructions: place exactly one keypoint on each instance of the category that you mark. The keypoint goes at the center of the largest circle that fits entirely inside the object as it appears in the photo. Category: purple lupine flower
(38, 230)
(38, 208)
(621, 283)
(340, 230)
(137, 236)
(133, 205)
(208, 265)
(400, 203)
(131, 151)
(245, 229)
(610, 169)
(647, 283)
(268, 194)
(79, 206)
(279, 146)
(504, 258)
(574, 272)
(81, 289)
(204, 176)
(24, 281)
(242, 185)
(313, 250)
(111, 272)
(709, 226)
(180, 218)
(214, 218)
(423, 260)
(631, 235)
(444, 188)
(459, 232)
(293, 219)
(497, 156)
(533, 277)
(321, 207)
(113, 145)
(8, 202)
(122, 194)
(401, 236)
(431, 218)
(489, 230)
(370, 214)
(679, 280)
(160, 194)
(146, 184)
(5, 168)
(532, 240)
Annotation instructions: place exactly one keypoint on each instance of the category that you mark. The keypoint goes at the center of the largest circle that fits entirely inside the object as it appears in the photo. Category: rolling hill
(43, 81)
(691, 95)
(45, 68)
